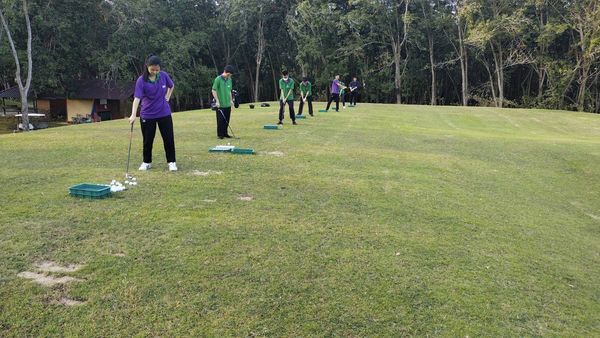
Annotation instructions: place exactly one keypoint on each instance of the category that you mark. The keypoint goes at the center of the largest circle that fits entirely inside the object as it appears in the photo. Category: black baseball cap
(229, 69)
(153, 60)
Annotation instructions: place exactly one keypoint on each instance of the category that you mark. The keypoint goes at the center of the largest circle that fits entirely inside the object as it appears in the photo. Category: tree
(497, 30)
(584, 19)
(23, 88)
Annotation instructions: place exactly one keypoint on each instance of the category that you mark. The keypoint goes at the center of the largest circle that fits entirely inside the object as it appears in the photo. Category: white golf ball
(126, 182)
(133, 183)
(133, 179)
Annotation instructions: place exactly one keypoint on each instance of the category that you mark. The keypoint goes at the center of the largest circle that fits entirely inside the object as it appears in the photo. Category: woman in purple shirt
(153, 90)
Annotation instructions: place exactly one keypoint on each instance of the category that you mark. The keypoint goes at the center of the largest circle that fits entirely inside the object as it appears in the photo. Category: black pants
(354, 97)
(336, 97)
(165, 125)
(309, 102)
(223, 117)
(282, 106)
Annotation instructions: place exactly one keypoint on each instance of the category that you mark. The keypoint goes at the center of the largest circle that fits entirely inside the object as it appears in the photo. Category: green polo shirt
(288, 88)
(223, 89)
(306, 89)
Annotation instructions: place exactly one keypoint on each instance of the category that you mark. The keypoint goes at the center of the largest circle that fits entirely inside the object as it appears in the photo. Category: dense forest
(504, 53)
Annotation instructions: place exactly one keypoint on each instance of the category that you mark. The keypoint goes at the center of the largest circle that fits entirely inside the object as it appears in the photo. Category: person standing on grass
(336, 86)
(305, 96)
(343, 94)
(222, 94)
(354, 91)
(152, 93)
(286, 85)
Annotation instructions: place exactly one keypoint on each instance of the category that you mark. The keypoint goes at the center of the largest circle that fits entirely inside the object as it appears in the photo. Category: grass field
(380, 220)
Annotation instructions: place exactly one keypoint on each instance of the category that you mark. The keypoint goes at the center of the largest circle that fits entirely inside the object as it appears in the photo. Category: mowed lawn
(380, 220)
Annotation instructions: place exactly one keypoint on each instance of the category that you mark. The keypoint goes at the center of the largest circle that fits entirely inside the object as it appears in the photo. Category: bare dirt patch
(275, 153)
(49, 266)
(246, 198)
(46, 280)
(70, 302)
(206, 173)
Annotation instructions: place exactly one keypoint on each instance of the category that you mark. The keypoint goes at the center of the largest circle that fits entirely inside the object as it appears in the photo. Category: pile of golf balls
(116, 186)
(131, 180)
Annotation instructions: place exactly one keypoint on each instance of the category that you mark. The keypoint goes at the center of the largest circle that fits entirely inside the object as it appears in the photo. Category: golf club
(129, 153)
(228, 126)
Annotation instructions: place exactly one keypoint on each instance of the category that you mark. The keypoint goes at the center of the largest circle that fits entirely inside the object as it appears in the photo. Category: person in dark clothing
(355, 87)
(336, 86)
(305, 96)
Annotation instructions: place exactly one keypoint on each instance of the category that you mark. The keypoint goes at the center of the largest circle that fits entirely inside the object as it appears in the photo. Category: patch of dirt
(49, 266)
(597, 218)
(246, 198)
(206, 173)
(209, 201)
(119, 254)
(47, 280)
(275, 153)
(70, 302)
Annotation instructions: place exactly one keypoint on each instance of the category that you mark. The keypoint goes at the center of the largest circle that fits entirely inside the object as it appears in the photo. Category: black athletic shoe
(311, 115)
(294, 123)
(227, 136)
(279, 122)
(221, 137)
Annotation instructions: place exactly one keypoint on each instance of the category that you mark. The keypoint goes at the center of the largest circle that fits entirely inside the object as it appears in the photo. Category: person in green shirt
(221, 91)
(305, 96)
(343, 94)
(286, 85)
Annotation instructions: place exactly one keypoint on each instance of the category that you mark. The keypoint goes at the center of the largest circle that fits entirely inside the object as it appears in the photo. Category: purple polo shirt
(152, 96)
(335, 87)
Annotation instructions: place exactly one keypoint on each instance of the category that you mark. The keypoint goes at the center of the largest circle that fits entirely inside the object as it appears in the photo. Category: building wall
(78, 107)
(43, 106)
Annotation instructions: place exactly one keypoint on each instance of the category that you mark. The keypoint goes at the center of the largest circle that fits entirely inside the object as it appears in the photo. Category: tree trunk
(397, 40)
(491, 77)
(541, 81)
(542, 51)
(23, 89)
(259, 54)
(583, 83)
(463, 63)
(498, 63)
(433, 80)
(397, 75)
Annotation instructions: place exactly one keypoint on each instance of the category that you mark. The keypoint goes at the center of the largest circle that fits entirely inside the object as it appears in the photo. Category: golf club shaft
(228, 126)
(129, 150)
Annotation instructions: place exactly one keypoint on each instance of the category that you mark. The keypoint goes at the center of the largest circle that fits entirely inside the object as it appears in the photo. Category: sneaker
(279, 122)
(172, 166)
(145, 166)
(311, 115)
(294, 123)
(227, 136)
